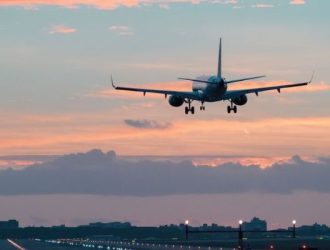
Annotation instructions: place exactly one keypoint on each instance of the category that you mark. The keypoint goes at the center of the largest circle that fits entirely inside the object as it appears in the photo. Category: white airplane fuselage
(212, 91)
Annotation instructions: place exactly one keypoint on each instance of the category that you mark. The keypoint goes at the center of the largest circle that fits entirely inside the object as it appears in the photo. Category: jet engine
(175, 101)
(240, 100)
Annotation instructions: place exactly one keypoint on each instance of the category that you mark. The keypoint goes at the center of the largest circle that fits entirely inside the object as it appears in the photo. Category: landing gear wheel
(189, 108)
(231, 107)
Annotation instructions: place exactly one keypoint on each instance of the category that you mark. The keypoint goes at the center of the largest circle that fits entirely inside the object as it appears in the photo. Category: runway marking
(15, 245)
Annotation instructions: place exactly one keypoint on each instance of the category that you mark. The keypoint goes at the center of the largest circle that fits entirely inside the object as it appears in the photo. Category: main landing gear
(232, 107)
(189, 108)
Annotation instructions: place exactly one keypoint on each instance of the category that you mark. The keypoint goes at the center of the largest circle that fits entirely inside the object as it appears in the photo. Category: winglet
(113, 85)
(311, 77)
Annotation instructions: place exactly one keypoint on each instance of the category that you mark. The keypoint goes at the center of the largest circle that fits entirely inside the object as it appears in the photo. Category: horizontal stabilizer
(245, 79)
(194, 80)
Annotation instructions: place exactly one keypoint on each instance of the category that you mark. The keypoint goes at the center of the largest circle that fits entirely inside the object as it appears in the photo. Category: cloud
(100, 4)
(113, 4)
(146, 124)
(298, 2)
(58, 134)
(20, 161)
(62, 29)
(261, 5)
(225, 1)
(164, 6)
(121, 30)
(101, 173)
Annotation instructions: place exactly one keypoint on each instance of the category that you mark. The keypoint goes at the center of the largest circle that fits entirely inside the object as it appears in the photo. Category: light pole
(240, 235)
(294, 229)
(186, 227)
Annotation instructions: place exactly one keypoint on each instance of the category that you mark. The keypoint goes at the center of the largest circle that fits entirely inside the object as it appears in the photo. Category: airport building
(255, 224)
(10, 224)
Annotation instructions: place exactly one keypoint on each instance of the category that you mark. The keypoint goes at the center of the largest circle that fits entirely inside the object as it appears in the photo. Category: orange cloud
(297, 2)
(263, 162)
(281, 137)
(61, 29)
(100, 4)
(16, 163)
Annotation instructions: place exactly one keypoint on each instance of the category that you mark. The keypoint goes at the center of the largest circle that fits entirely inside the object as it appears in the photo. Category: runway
(32, 245)
(5, 245)
(80, 244)
(83, 244)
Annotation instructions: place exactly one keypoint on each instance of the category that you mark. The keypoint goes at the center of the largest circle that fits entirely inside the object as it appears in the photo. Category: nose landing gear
(202, 107)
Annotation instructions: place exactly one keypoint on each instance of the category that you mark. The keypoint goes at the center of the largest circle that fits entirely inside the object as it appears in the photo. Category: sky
(56, 58)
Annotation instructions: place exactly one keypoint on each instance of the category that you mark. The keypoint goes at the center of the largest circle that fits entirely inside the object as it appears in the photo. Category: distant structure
(255, 224)
(10, 224)
(114, 225)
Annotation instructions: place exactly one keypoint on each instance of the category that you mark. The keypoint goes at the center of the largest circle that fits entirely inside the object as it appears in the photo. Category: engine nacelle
(175, 101)
(240, 100)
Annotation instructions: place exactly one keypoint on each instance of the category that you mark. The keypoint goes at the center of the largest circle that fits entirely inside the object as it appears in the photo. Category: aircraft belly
(213, 94)
(209, 92)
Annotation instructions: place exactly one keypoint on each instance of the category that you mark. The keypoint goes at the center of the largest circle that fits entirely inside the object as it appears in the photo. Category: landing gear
(189, 108)
(202, 107)
(232, 107)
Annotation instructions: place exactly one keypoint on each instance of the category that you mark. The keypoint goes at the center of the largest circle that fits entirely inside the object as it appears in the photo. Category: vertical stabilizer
(219, 61)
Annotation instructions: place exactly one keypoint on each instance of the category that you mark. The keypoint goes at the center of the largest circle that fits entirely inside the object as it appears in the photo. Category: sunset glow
(59, 111)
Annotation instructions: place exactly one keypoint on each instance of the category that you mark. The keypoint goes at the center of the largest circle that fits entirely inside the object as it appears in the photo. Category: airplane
(213, 89)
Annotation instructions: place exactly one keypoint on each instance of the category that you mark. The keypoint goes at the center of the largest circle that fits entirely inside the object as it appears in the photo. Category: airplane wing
(183, 94)
(234, 93)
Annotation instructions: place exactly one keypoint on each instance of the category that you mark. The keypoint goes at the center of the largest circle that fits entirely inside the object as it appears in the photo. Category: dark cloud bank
(103, 173)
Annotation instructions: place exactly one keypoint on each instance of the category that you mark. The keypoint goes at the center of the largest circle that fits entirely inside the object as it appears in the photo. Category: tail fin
(219, 62)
